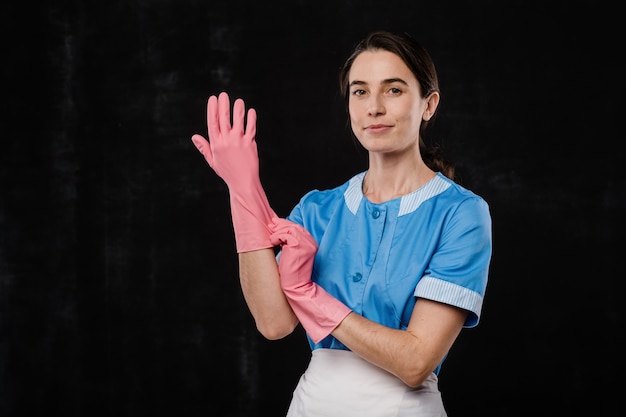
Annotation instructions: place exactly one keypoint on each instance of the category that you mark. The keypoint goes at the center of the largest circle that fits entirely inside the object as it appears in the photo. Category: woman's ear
(431, 106)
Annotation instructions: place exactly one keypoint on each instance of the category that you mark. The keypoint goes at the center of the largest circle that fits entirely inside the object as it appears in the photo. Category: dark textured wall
(119, 293)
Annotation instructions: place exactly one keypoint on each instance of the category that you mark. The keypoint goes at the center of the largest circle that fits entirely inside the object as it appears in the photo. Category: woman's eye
(358, 92)
(394, 90)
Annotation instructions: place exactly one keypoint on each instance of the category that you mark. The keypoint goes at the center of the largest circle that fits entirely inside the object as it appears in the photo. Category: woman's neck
(384, 183)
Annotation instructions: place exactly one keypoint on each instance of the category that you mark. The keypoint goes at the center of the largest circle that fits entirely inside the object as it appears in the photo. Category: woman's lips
(377, 128)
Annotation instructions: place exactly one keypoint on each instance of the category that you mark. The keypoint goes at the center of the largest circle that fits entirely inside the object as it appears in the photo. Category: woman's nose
(375, 106)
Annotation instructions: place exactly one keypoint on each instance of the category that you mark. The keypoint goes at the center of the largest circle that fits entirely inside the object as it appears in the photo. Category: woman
(383, 271)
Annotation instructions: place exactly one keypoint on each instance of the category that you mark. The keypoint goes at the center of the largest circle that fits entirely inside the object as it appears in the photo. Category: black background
(119, 293)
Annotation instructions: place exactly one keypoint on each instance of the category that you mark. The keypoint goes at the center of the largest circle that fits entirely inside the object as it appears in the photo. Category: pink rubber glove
(232, 153)
(318, 312)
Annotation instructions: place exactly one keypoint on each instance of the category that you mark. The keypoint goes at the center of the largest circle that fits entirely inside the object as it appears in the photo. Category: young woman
(383, 271)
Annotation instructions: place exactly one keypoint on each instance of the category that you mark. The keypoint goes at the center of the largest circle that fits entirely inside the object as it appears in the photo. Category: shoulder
(443, 197)
(317, 196)
(324, 202)
(454, 207)
(459, 197)
(465, 217)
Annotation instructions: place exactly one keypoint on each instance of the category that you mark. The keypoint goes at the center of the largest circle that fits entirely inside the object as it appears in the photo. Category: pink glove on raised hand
(233, 155)
(318, 311)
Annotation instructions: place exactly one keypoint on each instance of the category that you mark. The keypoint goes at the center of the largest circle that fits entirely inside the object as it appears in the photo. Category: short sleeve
(459, 268)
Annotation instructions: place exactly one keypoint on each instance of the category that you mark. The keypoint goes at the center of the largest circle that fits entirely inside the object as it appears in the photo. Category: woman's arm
(231, 152)
(410, 354)
(260, 283)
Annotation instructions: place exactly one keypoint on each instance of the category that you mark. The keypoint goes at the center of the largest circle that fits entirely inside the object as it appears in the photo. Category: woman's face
(385, 103)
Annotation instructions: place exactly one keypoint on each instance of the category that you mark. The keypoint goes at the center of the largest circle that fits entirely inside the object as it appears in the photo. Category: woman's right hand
(231, 149)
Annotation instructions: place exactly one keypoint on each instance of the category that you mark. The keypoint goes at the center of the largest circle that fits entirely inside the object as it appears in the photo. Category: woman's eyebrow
(357, 82)
(383, 82)
(394, 80)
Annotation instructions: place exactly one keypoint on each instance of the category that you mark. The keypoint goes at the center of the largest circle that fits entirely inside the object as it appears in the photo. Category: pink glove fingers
(238, 115)
(203, 146)
(212, 120)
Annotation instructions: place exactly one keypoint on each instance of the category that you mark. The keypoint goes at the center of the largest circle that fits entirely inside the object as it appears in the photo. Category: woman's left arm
(410, 354)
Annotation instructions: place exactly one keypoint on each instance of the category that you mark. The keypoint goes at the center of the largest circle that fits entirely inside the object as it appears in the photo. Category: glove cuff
(318, 311)
(253, 220)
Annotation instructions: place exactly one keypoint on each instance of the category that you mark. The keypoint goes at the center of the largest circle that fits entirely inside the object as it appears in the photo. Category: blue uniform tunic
(433, 243)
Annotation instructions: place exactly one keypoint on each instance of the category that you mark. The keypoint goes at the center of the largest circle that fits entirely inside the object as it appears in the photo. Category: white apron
(338, 383)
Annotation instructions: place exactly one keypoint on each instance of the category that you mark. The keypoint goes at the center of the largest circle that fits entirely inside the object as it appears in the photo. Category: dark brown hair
(419, 61)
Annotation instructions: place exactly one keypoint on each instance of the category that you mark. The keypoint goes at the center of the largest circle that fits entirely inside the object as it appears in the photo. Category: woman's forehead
(378, 65)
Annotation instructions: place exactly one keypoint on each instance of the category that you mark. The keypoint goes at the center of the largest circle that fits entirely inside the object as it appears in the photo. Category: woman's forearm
(260, 283)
